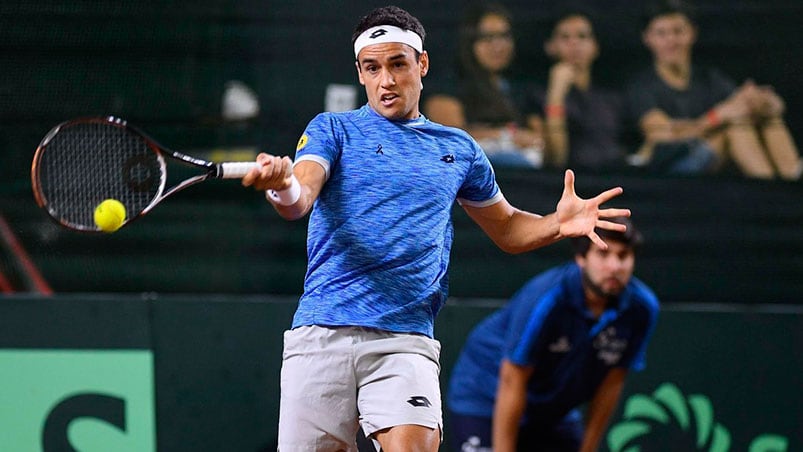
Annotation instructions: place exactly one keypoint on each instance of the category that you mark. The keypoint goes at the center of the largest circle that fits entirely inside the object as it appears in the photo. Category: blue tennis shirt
(380, 232)
(546, 325)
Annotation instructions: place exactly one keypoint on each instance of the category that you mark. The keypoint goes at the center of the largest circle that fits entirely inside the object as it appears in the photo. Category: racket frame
(211, 170)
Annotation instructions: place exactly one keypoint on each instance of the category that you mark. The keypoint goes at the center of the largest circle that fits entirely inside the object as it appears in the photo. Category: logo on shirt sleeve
(302, 142)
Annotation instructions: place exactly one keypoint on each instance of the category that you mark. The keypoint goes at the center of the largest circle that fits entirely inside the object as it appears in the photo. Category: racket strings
(85, 163)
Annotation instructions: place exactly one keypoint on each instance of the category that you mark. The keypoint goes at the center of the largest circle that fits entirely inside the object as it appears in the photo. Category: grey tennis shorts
(336, 379)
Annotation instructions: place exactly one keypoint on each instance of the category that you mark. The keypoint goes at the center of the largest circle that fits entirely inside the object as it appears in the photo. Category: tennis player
(380, 183)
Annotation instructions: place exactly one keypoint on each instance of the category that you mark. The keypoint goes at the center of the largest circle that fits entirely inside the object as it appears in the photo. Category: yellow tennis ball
(109, 215)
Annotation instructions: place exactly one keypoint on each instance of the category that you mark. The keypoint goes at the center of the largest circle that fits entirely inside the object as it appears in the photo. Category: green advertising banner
(86, 400)
(685, 422)
(719, 378)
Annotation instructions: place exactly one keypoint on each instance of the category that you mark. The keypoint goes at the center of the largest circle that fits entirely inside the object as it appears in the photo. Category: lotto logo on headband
(387, 33)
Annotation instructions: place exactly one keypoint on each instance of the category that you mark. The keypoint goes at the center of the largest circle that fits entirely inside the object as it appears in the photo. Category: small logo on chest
(560, 346)
(448, 158)
(609, 347)
(379, 150)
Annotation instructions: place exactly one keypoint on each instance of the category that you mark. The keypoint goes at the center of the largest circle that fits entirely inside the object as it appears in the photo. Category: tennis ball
(109, 215)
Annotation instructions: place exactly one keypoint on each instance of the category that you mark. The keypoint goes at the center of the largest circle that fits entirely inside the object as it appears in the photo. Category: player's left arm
(602, 407)
(516, 231)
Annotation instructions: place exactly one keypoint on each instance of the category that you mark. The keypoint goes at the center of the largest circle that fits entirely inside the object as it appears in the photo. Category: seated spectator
(694, 119)
(489, 105)
(583, 120)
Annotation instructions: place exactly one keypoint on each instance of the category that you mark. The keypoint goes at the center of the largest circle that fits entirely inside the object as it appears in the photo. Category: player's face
(392, 76)
(494, 46)
(607, 272)
(573, 42)
(670, 39)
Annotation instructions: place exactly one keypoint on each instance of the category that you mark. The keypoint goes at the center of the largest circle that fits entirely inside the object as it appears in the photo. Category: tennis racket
(82, 162)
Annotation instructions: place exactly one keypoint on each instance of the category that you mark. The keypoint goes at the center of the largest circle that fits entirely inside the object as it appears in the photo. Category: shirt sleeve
(319, 143)
(479, 188)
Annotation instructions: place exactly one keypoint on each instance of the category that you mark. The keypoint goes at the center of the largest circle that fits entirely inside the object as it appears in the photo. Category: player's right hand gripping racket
(82, 162)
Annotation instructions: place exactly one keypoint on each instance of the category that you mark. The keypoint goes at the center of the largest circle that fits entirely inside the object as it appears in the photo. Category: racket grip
(235, 170)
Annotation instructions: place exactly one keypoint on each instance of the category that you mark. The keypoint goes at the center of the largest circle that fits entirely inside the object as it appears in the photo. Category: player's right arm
(280, 175)
(511, 400)
(517, 231)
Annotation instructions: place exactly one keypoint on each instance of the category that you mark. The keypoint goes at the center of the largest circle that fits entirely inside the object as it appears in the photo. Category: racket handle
(235, 170)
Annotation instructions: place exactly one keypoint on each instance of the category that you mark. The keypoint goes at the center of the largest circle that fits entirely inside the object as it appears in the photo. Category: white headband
(387, 33)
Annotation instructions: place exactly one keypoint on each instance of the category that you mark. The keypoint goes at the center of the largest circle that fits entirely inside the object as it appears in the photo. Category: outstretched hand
(578, 217)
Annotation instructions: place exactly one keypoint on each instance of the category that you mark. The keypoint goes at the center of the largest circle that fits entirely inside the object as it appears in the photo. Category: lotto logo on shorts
(419, 401)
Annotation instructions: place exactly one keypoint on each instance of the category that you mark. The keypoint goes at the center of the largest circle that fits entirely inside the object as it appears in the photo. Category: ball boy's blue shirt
(546, 325)
(380, 232)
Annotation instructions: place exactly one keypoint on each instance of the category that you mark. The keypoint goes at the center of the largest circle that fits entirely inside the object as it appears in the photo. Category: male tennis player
(380, 182)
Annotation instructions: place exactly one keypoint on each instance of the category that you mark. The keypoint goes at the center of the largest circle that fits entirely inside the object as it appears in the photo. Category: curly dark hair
(631, 237)
(389, 15)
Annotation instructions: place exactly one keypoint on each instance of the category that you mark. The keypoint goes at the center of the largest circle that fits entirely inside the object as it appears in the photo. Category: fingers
(568, 183)
(611, 226)
(287, 164)
(597, 240)
(613, 213)
(263, 158)
(250, 177)
(271, 173)
(607, 195)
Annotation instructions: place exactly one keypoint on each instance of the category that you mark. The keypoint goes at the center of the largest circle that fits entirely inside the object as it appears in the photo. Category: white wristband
(288, 196)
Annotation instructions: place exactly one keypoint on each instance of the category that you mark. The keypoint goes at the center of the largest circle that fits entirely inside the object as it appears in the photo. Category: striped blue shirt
(380, 232)
(547, 325)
